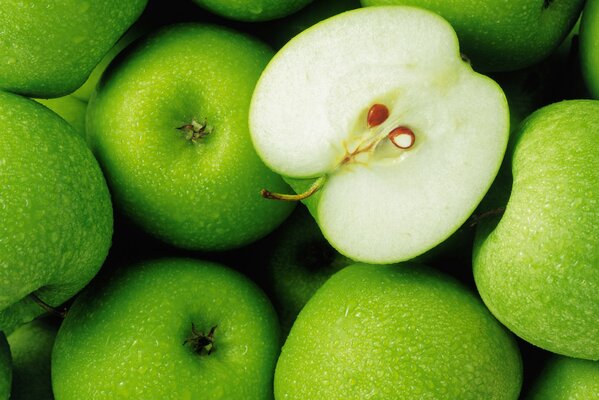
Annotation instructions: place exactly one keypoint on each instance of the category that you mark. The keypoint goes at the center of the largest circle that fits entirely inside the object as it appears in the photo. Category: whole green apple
(168, 329)
(31, 349)
(5, 368)
(589, 46)
(169, 127)
(503, 35)
(252, 10)
(48, 49)
(567, 378)
(396, 332)
(55, 210)
(536, 269)
(70, 108)
(377, 141)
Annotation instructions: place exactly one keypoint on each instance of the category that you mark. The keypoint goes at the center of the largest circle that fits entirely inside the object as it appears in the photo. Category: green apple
(536, 268)
(169, 126)
(168, 329)
(503, 35)
(55, 210)
(70, 108)
(589, 46)
(397, 332)
(31, 349)
(5, 368)
(48, 49)
(567, 378)
(392, 146)
(252, 10)
(300, 261)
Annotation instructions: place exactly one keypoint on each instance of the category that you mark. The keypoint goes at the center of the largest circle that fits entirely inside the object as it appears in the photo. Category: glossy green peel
(536, 269)
(48, 48)
(55, 209)
(252, 10)
(396, 332)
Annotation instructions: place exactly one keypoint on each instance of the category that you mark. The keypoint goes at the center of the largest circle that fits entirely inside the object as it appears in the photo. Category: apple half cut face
(377, 110)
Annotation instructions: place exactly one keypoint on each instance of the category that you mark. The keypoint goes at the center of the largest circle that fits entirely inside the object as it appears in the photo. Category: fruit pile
(302, 199)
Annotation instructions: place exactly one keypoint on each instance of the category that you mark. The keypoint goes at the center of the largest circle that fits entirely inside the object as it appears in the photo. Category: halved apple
(376, 114)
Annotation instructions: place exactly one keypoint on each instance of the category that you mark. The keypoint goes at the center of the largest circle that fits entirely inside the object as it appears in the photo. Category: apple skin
(55, 210)
(503, 36)
(70, 109)
(202, 195)
(300, 261)
(50, 51)
(397, 332)
(566, 378)
(589, 46)
(536, 268)
(252, 10)
(125, 338)
(31, 349)
(5, 368)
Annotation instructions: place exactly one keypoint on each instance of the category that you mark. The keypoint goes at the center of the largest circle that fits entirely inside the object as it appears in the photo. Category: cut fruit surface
(397, 186)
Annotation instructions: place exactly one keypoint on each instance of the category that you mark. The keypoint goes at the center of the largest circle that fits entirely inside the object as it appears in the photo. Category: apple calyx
(200, 342)
(195, 130)
(402, 137)
(48, 308)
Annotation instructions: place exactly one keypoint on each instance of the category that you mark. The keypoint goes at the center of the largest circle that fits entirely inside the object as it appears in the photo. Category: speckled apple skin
(55, 210)
(397, 332)
(49, 48)
(125, 339)
(538, 269)
(567, 378)
(252, 10)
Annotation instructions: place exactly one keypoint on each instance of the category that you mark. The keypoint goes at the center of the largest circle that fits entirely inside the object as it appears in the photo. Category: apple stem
(48, 308)
(295, 197)
(200, 342)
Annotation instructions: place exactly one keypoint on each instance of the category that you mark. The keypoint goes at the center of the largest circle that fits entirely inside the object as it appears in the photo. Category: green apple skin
(70, 108)
(5, 368)
(536, 268)
(503, 36)
(397, 332)
(50, 50)
(252, 10)
(282, 30)
(85, 91)
(204, 194)
(31, 350)
(589, 46)
(55, 210)
(300, 262)
(125, 339)
(567, 378)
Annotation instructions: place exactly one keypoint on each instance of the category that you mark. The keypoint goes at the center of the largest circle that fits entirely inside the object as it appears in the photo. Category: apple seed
(377, 114)
(402, 137)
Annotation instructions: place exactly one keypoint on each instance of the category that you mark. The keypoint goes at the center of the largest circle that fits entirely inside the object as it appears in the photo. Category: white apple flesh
(311, 117)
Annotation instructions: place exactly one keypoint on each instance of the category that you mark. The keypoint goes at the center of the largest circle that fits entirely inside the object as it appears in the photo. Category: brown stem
(48, 308)
(295, 197)
(475, 219)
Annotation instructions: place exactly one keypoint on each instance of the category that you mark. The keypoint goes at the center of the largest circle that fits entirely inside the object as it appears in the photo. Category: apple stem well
(48, 308)
(200, 342)
(195, 130)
